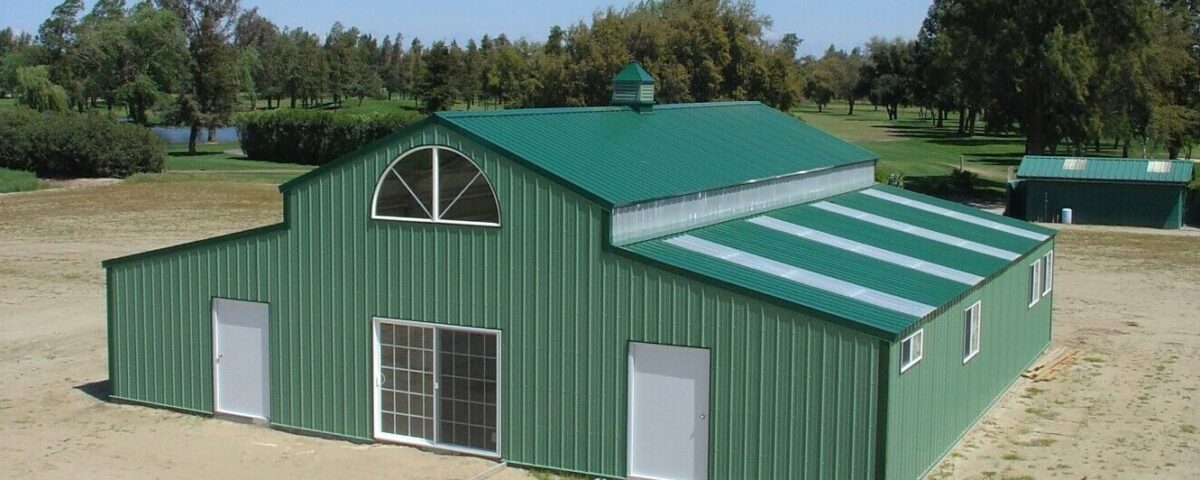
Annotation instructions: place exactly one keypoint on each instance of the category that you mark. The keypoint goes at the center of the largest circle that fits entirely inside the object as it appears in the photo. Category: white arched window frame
(436, 208)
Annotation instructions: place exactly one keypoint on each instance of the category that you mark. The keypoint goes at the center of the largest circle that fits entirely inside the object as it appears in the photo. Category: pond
(179, 135)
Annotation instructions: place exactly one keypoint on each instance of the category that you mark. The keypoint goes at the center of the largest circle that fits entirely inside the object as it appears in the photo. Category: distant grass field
(212, 163)
(924, 153)
(17, 181)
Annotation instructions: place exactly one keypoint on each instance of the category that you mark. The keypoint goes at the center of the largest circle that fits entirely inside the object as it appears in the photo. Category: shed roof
(1107, 169)
(881, 258)
(619, 156)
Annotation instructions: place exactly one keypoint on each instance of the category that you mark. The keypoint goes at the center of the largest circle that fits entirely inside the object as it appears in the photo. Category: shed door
(240, 385)
(668, 412)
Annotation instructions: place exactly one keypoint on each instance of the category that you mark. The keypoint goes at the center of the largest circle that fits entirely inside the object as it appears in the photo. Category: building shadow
(98, 390)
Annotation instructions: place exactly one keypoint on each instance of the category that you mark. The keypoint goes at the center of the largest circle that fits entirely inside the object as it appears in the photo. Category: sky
(845, 23)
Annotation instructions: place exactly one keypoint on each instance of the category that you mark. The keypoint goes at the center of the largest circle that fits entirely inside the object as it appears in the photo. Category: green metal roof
(1107, 169)
(633, 72)
(880, 258)
(618, 156)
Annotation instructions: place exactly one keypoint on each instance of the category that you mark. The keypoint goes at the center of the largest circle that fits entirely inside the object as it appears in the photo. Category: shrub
(313, 137)
(76, 145)
(964, 181)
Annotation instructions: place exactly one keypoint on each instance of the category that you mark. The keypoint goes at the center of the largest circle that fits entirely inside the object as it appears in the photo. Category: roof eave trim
(1105, 180)
(109, 263)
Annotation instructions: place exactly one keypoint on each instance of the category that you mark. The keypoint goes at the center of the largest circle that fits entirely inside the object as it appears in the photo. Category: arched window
(438, 185)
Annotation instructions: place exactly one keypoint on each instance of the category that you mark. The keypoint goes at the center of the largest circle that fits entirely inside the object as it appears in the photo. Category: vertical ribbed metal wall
(160, 332)
(792, 396)
(933, 403)
(1106, 203)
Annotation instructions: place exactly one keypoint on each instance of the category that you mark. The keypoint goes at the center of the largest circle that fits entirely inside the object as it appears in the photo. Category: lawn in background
(215, 162)
(925, 154)
(17, 181)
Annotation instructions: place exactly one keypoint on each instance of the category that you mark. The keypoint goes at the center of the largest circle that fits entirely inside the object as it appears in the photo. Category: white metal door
(241, 380)
(668, 412)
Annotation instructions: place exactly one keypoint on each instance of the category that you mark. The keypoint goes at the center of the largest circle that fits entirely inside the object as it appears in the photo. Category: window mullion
(437, 187)
(436, 384)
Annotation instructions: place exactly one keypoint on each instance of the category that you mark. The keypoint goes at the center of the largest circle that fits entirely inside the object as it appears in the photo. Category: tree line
(193, 59)
(1065, 74)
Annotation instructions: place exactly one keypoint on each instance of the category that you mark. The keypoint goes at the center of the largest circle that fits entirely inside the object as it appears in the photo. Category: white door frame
(629, 443)
(377, 383)
(216, 366)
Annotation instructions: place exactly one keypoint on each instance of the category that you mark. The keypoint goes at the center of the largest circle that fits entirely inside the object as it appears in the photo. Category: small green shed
(689, 291)
(1102, 191)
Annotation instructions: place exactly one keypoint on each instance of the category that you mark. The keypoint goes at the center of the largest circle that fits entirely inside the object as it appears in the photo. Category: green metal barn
(1102, 191)
(710, 290)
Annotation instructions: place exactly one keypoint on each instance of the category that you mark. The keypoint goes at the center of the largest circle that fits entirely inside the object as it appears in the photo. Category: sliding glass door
(437, 386)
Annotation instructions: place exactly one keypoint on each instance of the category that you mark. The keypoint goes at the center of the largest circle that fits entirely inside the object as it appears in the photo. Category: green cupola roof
(633, 86)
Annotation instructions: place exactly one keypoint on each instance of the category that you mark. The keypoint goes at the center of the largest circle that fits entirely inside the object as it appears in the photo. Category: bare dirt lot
(1127, 408)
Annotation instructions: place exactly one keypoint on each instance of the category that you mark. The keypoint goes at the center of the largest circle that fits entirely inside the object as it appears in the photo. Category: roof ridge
(529, 111)
(1105, 159)
(590, 109)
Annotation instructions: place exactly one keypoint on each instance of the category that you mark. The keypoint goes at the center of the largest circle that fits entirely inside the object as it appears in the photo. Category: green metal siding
(1102, 203)
(792, 396)
(933, 403)
(1111, 169)
(160, 331)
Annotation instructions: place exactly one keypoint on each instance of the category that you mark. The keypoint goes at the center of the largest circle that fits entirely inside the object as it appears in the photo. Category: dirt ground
(1127, 409)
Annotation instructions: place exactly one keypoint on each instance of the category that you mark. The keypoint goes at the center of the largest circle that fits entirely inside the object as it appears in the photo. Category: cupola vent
(634, 86)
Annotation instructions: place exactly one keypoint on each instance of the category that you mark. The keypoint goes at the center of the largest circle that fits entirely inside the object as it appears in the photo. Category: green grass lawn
(8, 102)
(923, 153)
(212, 163)
(17, 181)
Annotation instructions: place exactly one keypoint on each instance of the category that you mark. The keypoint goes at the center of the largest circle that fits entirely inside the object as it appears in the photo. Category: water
(179, 135)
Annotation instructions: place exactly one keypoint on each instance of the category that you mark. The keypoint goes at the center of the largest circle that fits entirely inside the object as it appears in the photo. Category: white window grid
(433, 440)
(972, 327)
(1048, 273)
(436, 210)
(913, 348)
(1035, 282)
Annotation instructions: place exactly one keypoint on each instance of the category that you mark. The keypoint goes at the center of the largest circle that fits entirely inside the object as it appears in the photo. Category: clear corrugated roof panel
(844, 256)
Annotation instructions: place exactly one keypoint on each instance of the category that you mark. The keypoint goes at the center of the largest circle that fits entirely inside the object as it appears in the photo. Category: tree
(887, 73)
(1174, 126)
(35, 90)
(441, 67)
(470, 78)
(345, 63)
(58, 36)
(211, 94)
(414, 69)
(393, 75)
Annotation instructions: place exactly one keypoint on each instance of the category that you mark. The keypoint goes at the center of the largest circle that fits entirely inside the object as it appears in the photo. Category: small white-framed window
(911, 349)
(434, 184)
(1035, 282)
(971, 331)
(1048, 273)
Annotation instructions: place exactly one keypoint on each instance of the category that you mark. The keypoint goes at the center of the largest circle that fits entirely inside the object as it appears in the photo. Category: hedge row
(58, 145)
(313, 137)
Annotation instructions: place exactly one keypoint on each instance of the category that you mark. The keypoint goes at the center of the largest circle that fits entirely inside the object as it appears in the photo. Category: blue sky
(846, 23)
